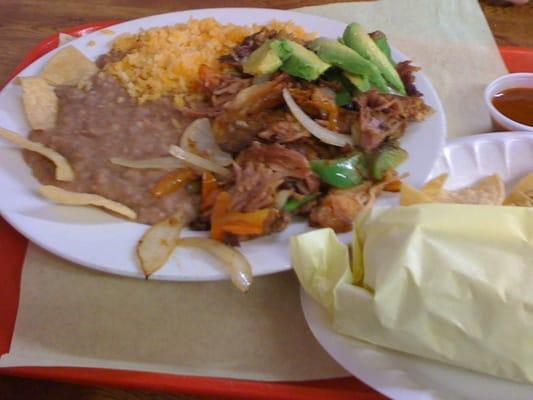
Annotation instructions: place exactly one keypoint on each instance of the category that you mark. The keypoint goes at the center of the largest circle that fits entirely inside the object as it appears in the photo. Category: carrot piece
(220, 209)
(393, 182)
(238, 223)
(393, 186)
(251, 223)
(172, 182)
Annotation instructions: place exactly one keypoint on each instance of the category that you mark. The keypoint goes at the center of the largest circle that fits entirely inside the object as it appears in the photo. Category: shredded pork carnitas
(382, 116)
(221, 88)
(262, 168)
(340, 207)
(406, 70)
(253, 110)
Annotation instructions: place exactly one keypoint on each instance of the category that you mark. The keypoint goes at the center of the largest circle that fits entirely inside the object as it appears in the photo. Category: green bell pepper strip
(293, 204)
(343, 97)
(342, 173)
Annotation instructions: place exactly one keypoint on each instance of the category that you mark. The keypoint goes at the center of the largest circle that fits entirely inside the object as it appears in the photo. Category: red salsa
(516, 104)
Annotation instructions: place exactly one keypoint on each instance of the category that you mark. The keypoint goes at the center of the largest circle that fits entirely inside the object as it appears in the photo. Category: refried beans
(102, 122)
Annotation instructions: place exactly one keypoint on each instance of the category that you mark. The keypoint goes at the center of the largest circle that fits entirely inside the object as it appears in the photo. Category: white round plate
(401, 376)
(95, 239)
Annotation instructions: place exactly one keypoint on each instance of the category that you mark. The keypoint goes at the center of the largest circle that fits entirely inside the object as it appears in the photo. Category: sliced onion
(159, 241)
(281, 198)
(323, 134)
(148, 163)
(199, 139)
(238, 267)
(199, 162)
(261, 78)
(356, 134)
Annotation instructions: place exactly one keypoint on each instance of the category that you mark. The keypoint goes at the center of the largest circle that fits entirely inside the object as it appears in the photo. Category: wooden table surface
(23, 23)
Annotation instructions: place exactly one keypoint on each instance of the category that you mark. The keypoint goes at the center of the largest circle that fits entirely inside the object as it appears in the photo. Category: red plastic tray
(12, 250)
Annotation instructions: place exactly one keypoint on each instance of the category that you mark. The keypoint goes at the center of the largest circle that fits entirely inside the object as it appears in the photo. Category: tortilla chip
(64, 171)
(520, 199)
(410, 195)
(40, 102)
(435, 186)
(68, 67)
(489, 190)
(62, 196)
(525, 184)
(522, 193)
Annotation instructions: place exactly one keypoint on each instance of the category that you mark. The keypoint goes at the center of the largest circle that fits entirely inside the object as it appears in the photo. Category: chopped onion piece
(159, 241)
(281, 198)
(148, 163)
(238, 267)
(325, 135)
(261, 79)
(199, 162)
(199, 139)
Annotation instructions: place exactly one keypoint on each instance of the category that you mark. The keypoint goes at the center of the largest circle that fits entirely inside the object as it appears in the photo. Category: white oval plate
(97, 240)
(401, 376)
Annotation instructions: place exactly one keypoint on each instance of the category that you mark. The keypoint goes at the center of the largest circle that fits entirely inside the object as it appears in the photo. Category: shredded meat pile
(273, 150)
(247, 46)
(255, 187)
(383, 116)
(250, 43)
(406, 70)
(262, 168)
(221, 88)
(260, 171)
(287, 130)
(252, 111)
(339, 207)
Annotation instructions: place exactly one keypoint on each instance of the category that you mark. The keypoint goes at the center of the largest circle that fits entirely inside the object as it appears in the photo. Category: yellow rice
(162, 61)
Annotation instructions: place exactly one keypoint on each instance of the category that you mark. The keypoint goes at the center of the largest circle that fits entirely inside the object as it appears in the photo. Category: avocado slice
(263, 60)
(361, 82)
(380, 39)
(347, 59)
(388, 156)
(357, 39)
(299, 61)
